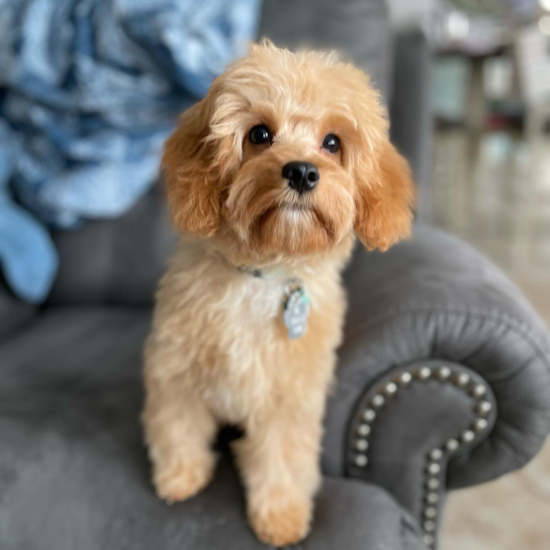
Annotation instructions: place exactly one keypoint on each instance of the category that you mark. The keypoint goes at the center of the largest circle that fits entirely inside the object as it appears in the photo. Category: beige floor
(495, 192)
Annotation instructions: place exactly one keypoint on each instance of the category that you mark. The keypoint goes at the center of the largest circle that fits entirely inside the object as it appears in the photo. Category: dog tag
(296, 311)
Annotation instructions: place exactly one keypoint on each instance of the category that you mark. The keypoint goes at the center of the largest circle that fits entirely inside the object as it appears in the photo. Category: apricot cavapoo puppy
(269, 178)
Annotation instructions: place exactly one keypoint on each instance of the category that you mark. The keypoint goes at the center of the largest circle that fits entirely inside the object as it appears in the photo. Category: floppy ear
(192, 182)
(385, 198)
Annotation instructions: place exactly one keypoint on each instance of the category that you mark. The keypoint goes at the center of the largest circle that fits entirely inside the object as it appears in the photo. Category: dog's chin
(292, 229)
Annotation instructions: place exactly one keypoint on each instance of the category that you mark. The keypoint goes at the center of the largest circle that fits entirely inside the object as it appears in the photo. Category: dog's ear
(384, 199)
(192, 182)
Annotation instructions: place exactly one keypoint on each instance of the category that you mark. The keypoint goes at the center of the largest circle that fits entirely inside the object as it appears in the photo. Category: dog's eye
(331, 143)
(260, 134)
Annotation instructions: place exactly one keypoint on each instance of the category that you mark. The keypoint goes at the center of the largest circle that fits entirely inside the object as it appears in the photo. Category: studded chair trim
(380, 396)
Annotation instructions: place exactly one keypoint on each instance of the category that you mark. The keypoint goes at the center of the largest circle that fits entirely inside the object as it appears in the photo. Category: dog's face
(287, 155)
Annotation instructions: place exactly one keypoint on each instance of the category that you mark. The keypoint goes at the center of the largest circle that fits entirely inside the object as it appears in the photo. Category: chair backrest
(115, 261)
(120, 261)
(358, 29)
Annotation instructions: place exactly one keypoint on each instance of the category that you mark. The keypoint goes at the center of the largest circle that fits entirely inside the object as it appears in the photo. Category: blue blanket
(89, 90)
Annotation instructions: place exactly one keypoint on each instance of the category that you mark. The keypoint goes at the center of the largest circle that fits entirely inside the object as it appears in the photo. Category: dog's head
(287, 155)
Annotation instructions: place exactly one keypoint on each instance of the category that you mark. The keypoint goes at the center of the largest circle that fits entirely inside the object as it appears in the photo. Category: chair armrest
(444, 374)
(436, 298)
(13, 312)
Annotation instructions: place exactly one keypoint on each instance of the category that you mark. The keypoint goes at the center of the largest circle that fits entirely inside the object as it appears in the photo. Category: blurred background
(84, 144)
(491, 185)
(491, 87)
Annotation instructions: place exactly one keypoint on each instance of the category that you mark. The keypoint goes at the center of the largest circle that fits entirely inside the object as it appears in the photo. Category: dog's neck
(280, 267)
(260, 273)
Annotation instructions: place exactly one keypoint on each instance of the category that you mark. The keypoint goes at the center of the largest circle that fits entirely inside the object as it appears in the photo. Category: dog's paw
(281, 524)
(182, 479)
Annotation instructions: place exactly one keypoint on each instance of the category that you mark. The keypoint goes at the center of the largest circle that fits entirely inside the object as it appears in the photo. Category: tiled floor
(494, 191)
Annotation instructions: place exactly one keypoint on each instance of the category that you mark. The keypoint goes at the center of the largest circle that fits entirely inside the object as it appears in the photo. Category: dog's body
(219, 351)
(221, 347)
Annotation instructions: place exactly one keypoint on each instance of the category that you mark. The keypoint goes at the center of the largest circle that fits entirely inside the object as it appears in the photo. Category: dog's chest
(249, 315)
(253, 356)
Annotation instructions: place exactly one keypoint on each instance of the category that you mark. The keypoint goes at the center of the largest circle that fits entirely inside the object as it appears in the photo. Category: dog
(269, 179)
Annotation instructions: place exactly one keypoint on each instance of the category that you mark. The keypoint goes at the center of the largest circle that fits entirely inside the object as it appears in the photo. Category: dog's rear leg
(179, 432)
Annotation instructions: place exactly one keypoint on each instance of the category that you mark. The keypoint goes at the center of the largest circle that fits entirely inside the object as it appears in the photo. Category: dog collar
(255, 272)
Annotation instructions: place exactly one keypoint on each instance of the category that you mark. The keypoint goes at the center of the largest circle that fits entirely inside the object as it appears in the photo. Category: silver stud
(452, 445)
(364, 430)
(361, 444)
(423, 373)
(404, 379)
(479, 390)
(389, 389)
(361, 461)
(433, 483)
(430, 512)
(433, 468)
(444, 373)
(484, 407)
(377, 401)
(436, 454)
(480, 425)
(462, 380)
(369, 415)
(467, 436)
(432, 498)
(429, 540)
(429, 526)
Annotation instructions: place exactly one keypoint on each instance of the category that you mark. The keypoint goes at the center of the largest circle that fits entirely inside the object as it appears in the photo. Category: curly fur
(219, 352)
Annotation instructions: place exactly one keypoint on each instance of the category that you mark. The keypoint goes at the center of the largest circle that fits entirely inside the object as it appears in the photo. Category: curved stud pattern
(369, 415)
(462, 380)
(434, 461)
(424, 373)
(378, 401)
(436, 454)
(479, 390)
(430, 512)
(480, 425)
(444, 373)
(484, 408)
(404, 378)
(452, 446)
(467, 436)
(364, 430)
(433, 484)
(361, 461)
(432, 497)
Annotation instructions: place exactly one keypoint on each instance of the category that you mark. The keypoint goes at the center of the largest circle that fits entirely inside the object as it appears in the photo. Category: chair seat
(74, 471)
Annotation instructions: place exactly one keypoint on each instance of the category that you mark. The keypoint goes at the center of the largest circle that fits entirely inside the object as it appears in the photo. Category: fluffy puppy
(269, 178)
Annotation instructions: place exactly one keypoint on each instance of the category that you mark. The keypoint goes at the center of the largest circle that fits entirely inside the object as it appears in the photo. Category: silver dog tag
(296, 311)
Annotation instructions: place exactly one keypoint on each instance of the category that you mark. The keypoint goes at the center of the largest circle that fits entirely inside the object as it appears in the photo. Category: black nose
(301, 176)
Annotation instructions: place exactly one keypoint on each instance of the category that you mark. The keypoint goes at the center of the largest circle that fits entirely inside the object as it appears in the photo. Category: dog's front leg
(279, 462)
(179, 430)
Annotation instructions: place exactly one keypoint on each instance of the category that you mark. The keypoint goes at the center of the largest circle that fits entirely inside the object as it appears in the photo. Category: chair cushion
(74, 471)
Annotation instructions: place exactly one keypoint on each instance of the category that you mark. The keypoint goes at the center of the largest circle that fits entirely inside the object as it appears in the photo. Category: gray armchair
(443, 378)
